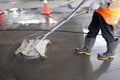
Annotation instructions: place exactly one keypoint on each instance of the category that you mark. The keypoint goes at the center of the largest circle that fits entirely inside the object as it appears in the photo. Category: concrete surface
(62, 63)
(26, 4)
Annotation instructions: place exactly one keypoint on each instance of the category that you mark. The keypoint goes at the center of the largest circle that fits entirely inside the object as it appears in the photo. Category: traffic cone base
(1, 12)
(46, 12)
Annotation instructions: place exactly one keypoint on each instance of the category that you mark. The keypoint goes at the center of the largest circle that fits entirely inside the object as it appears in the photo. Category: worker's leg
(91, 36)
(112, 42)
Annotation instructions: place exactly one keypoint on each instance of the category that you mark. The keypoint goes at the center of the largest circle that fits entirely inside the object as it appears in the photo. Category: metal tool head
(29, 52)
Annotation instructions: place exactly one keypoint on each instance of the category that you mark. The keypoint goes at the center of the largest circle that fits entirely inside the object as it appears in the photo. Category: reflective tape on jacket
(110, 12)
(112, 21)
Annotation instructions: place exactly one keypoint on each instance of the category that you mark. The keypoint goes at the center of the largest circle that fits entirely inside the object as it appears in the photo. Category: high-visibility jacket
(110, 12)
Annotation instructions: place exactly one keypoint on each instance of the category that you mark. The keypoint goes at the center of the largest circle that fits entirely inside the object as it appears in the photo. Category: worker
(105, 17)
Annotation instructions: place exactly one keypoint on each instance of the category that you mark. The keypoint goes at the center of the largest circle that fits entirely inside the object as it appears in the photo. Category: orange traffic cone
(1, 17)
(45, 8)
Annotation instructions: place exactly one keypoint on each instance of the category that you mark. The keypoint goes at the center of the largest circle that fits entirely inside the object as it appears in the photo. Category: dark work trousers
(97, 24)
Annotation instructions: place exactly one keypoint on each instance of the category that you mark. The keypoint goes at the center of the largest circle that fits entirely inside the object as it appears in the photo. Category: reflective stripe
(104, 6)
(112, 19)
(110, 6)
(110, 13)
(114, 5)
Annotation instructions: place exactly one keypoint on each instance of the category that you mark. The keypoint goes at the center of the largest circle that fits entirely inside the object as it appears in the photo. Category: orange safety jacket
(111, 12)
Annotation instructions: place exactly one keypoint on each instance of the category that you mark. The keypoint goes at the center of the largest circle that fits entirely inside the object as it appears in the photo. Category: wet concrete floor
(61, 62)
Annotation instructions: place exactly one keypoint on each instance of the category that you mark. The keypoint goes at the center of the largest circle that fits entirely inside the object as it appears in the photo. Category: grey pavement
(62, 63)
(31, 4)
(35, 4)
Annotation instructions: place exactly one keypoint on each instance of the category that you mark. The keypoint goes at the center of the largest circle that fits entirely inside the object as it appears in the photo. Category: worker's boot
(110, 53)
(86, 50)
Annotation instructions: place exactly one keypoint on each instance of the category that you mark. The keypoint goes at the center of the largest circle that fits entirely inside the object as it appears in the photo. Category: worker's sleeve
(105, 1)
(95, 5)
(98, 3)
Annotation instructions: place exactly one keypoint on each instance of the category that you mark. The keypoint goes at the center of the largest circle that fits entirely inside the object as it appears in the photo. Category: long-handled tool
(37, 47)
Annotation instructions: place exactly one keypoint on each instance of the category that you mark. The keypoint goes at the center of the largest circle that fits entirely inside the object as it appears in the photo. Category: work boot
(86, 50)
(110, 53)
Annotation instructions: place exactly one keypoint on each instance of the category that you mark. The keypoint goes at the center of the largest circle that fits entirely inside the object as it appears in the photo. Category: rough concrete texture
(62, 63)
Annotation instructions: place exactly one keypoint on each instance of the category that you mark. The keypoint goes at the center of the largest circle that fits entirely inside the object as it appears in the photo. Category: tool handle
(65, 19)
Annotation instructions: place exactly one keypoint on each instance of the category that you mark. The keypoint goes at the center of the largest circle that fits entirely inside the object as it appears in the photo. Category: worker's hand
(84, 9)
